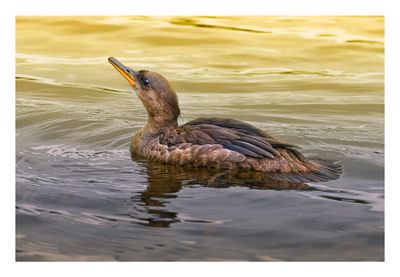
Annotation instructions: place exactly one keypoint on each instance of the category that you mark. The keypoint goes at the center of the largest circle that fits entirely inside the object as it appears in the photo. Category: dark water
(313, 81)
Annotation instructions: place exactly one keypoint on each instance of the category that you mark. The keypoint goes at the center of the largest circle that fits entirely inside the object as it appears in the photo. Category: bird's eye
(145, 82)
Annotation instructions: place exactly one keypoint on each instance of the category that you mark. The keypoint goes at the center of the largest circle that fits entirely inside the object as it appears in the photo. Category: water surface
(316, 82)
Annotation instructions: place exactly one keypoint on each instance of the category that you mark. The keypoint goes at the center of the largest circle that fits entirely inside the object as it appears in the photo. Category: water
(317, 82)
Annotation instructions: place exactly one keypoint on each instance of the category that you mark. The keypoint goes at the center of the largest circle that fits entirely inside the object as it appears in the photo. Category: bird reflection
(164, 181)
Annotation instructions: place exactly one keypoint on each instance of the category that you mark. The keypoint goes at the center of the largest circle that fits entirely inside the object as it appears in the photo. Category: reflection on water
(316, 82)
(165, 181)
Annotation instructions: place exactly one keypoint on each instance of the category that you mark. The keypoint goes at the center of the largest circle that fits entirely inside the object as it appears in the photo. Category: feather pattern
(231, 144)
(231, 134)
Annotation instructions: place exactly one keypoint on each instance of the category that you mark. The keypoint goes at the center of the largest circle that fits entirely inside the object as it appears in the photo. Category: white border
(202, 7)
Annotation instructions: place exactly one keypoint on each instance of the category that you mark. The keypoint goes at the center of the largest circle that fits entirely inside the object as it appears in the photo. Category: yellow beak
(126, 72)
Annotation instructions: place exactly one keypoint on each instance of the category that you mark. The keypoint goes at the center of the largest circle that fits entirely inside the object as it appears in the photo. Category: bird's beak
(128, 73)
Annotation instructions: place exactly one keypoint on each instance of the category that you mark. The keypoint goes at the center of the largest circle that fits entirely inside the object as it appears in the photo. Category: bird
(214, 143)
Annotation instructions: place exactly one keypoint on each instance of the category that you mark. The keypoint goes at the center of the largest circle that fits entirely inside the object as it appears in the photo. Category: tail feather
(308, 170)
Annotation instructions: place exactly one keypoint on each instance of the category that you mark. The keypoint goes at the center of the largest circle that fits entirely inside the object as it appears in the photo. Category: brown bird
(218, 143)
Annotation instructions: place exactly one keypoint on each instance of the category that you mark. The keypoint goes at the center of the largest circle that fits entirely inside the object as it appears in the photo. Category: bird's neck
(156, 125)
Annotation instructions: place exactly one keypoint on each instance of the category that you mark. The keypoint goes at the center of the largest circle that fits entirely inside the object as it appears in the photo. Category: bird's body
(212, 142)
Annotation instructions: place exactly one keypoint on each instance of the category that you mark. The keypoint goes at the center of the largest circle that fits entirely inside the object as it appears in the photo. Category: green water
(317, 82)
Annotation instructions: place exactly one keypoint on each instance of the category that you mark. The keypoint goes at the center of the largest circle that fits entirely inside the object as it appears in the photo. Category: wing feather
(232, 134)
(253, 148)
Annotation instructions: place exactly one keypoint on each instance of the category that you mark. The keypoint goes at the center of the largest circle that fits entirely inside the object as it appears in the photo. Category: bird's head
(155, 92)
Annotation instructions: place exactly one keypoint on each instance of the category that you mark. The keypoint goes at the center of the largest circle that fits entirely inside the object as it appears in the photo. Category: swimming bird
(218, 143)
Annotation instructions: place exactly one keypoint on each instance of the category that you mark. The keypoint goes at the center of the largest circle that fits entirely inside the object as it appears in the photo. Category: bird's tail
(301, 169)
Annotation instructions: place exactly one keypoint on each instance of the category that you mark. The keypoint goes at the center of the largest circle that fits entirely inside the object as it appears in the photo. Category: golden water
(317, 82)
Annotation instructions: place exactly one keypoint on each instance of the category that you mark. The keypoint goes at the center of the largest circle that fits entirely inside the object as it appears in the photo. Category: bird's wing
(232, 134)
(244, 128)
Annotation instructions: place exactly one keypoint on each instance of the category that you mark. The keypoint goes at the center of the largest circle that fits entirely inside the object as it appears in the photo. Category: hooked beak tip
(125, 71)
